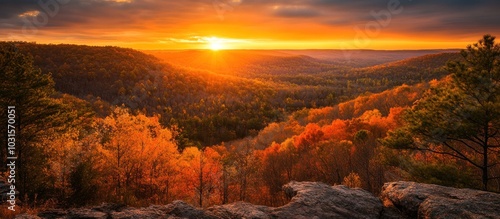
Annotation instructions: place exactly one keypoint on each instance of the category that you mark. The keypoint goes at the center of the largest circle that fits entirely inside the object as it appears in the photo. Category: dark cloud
(455, 16)
(12, 8)
(99, 12)
(471, 12)
(295, 11)
(427, 16)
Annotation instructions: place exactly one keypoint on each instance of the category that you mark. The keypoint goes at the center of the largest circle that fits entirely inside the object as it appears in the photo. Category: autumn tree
(460, 117)
(202, 171)
(137, 154)
(239, 169)
(352, 180)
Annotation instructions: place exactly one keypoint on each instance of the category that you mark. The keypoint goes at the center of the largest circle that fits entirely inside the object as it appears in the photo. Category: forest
(109, 124)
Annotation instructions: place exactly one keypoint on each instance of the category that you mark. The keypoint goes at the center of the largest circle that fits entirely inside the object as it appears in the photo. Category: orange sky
(251, 24)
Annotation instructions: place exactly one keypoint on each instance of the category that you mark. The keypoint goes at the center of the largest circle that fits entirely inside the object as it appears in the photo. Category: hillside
(244, 63)
(364, 58)
(306, 71)
(198, 101)
(422, 68)
(235, 95)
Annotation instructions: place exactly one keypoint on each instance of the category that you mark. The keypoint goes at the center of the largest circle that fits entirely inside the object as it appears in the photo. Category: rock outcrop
(318, 200)
(310, 200)
(241, 210)
(417, 200)
(175, 210)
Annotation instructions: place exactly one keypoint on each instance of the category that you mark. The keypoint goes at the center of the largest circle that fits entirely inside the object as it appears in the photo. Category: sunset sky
(252, 24)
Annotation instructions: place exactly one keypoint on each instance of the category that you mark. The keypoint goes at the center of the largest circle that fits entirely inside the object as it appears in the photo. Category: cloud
(156, 21)
(33, 13)
(294, 11)
(201, 40)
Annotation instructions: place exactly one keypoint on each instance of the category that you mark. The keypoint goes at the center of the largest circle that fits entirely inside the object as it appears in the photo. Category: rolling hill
(234, 96)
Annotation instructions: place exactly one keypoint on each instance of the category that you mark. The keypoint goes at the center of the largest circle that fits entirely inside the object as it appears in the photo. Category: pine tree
(460, 117)
(38, 116)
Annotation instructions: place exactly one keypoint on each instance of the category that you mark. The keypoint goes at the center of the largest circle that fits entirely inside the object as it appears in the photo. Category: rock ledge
(317, 200)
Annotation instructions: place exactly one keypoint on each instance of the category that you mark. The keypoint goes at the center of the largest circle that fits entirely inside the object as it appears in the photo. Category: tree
(202, 173)
(38, 116)
(137, 152)
(352, 180)
(460, 116)
(364, 153)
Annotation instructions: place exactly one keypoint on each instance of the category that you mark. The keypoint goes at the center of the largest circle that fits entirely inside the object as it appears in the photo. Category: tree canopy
(460, 116)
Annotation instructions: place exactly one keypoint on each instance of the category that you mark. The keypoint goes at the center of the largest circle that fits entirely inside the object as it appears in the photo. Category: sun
(215, 43)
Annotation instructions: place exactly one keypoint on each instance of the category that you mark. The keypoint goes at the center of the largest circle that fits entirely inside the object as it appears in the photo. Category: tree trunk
(201, 180)
(485, 168)
(485, 156)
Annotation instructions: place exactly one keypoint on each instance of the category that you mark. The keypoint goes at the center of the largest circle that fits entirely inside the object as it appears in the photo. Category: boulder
(419, 200)
(109, 207)
(183, 210)
(153, 211)
(319, 200)
(241, 210)
(53, 214)
(177, 209)
(73, 213)
(27, 216)
(82, 213)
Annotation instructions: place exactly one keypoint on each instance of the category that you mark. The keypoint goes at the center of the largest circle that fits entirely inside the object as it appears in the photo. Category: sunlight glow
(215, 43)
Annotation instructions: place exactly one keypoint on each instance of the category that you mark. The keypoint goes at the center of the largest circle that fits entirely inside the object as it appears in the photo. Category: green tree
(38, 117)
(460, 117)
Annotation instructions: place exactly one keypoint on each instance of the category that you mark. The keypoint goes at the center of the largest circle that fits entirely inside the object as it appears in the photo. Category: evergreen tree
(38, 116)
(460, 117)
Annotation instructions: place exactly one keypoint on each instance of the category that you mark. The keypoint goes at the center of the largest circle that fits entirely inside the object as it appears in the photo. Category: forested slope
(217, 96)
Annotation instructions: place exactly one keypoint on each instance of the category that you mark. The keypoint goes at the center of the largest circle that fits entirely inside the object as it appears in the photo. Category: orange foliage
(337, 130)
(320, 115)
(311, 135)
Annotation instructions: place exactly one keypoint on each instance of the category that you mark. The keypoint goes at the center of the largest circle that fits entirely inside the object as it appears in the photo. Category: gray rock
(309, 200)
(134, 213)
(74, 213)
(53, 214)
(177, 209)
(183, 210)
(318, 200)
(241, 210)
(418, 200)
(82, 213)
(109, 207)
(391, 212)
(27, 216)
